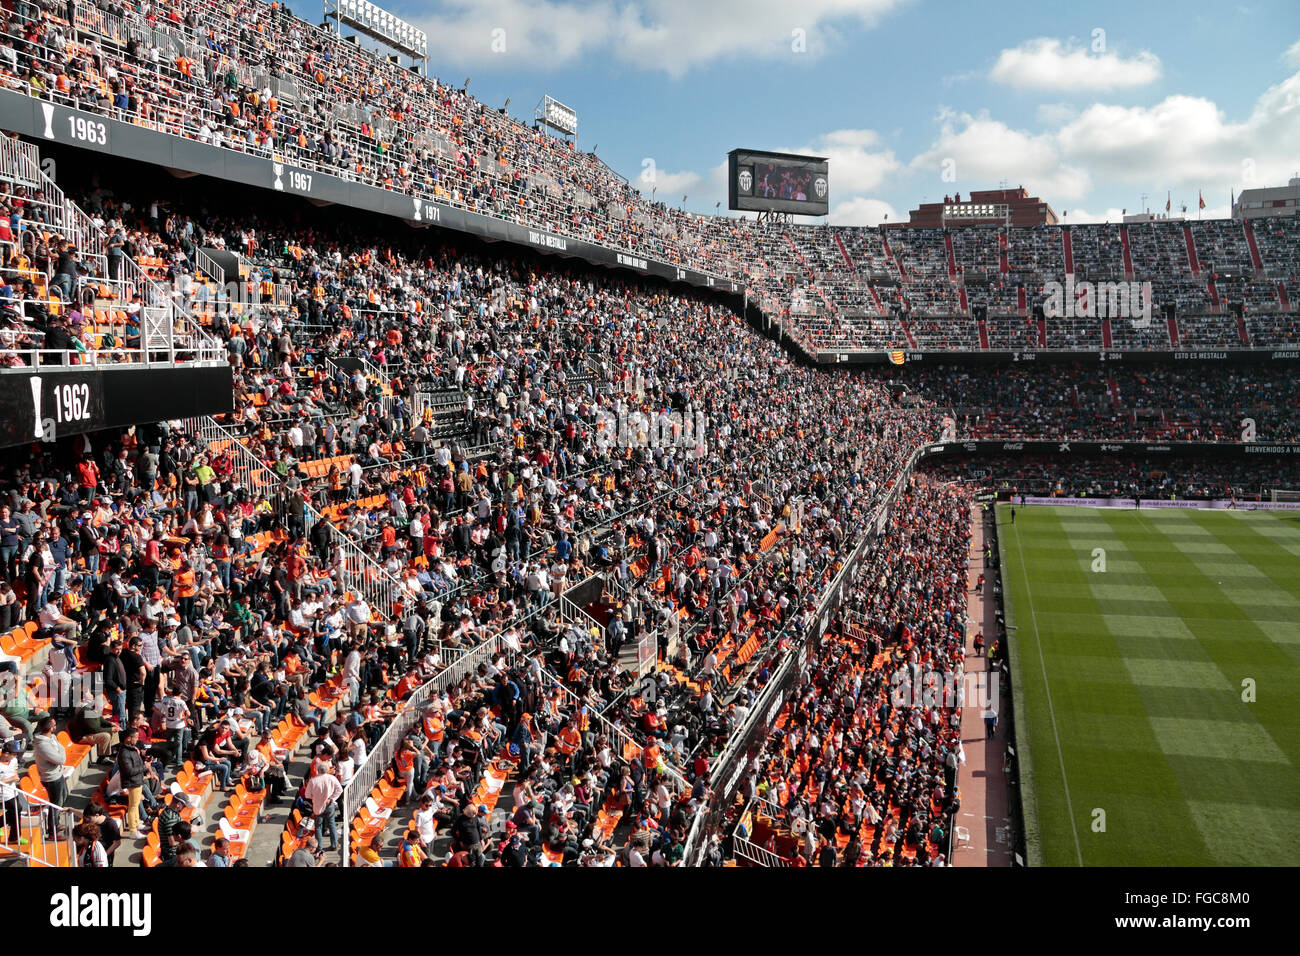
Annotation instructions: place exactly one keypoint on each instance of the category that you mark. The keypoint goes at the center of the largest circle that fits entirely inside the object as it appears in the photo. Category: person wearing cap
(434, 728)
(512, 851)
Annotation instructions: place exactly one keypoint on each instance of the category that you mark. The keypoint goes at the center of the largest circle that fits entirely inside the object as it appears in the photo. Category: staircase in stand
(961, 293)
(1283, 299)
(875, 297)
(1173, 331)
(984, 335)
(952, 258)
(1113, 391)
(1042, 333)
(907, 333)
(799, 255)
(1128, 254)
(1068, 248)
(1255, 259)
(1004, 256)
(1214, 297)
(1243, 331)
(845, 253)
(889, 256)
(1021, 305)
(812, 277)
(1106, 340)
(1191, 251)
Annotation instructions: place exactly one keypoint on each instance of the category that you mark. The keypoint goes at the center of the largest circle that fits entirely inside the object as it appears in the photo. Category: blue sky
(1086, 108)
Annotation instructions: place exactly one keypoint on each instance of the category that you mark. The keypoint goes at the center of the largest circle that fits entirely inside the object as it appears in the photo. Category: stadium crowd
(1206, 401)
(699, 536)
(861, 768)
(1096, 476)
(252, 77)
(433, 442)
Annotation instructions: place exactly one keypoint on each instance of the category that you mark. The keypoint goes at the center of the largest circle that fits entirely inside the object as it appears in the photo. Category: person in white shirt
(346, 767)
(90, 852)
(425, 819)
(357, 614)
(358, 750)
(324, 790)
(175, 716)
(634, 857)
(12, 802)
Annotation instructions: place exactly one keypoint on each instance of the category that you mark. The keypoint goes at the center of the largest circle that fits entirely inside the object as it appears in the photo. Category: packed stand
(861, 768)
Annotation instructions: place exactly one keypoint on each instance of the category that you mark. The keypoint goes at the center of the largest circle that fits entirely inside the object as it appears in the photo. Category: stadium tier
(323, 541)
(268, 99)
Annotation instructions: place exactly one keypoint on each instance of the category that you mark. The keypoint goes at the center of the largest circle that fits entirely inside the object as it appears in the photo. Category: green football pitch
(1156, 673)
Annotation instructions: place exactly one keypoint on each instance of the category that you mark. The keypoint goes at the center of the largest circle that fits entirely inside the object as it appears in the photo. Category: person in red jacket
(87, 477)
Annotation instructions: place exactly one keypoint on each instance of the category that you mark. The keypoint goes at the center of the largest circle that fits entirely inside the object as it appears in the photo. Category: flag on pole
(1200, 199)
(1169, 197)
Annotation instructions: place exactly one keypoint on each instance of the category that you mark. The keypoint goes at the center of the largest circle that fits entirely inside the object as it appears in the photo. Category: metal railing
(205, 264)
(167, 331)
(362, 574)
(248, 471)
(381, 754)
(754, 854)
(34, 821)
(570, 613)
(179, 106)
(772, 697)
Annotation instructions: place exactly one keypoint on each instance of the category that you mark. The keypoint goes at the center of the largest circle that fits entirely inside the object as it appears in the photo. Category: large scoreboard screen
(777, 182)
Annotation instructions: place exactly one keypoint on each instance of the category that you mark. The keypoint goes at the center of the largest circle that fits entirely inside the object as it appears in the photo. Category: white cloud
(673, 36)
(1292, 55)
(1078, 216)
(1181, 143)
(667, 186)
(1186, 140)
(1055, 114)
(1045, 63)
(863, 211)
(981, 152)
(857, 163)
